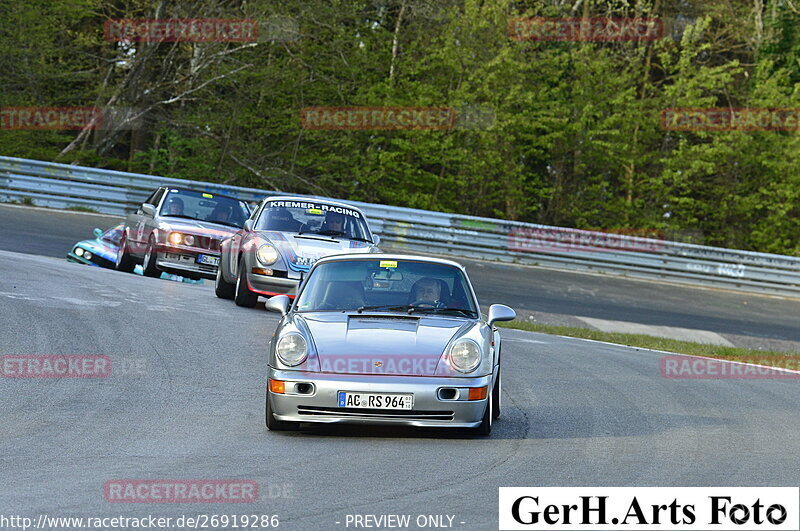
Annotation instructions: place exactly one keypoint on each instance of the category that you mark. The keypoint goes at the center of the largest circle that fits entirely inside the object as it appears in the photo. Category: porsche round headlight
(465, 355)
(87, 255)
(78, 251)
(188, 239)
(175, 238)
(267, 254)
(292, 349)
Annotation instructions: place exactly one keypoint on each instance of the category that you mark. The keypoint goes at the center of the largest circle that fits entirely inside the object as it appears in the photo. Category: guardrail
(421, 231)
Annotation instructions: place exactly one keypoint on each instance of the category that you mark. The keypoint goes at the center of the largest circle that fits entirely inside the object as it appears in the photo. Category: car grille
(390, 414)
(207, 242)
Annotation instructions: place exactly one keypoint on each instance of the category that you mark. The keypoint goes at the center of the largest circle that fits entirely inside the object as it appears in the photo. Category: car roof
(388, 256)
(309, 199)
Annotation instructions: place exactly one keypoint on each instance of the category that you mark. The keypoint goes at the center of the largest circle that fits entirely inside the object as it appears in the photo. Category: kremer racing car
(385, 339)
(282, 240)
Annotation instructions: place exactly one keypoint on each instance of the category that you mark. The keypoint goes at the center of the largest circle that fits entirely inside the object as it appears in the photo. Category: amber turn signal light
(279, 386)
(477, 393)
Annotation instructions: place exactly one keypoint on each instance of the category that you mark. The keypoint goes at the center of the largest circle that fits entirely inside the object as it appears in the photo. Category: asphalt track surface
(52, 233)
(186, 401)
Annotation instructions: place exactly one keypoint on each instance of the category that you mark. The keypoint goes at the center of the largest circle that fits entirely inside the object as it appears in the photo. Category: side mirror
(149, 210)
(278, 303)
(248, 225)
(376, 239)
(501, 312)
(97, 233)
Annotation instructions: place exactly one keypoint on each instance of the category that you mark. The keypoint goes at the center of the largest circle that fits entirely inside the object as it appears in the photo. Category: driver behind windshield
(175, 207)
(334, 222)
(221, 213)
(428, 290)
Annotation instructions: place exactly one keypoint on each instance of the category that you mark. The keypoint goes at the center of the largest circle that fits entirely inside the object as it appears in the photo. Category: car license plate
(375, 400)
(208, 260)
(180, 258)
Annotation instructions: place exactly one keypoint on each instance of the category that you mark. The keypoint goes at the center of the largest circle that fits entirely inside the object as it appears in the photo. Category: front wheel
(244, 297)
(223, 288)
(485, 427)
(149, 268)
(124, 261)
(496, 391)
(274, 424)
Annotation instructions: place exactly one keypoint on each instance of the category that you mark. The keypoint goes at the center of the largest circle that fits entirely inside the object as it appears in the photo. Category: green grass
(82, 209)
(764, 357)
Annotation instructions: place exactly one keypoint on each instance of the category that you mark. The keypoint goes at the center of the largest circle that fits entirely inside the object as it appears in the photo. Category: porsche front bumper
(320, 403)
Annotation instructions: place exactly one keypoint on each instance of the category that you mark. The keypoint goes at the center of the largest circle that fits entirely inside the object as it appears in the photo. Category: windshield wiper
(361, 240)
(226, 223)
(321, 233)
(181, 216)
(390, 307)
(462, 311)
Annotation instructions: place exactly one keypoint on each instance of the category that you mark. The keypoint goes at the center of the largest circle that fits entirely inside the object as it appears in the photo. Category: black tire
(243, 296)
(496, 391)
(223, 288)
(149, 268)
(274, 424)
(124, 261)
(486, 425)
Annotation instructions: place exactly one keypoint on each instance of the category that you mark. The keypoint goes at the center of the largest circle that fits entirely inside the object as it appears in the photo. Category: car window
(151, 198)
(313, 217)
(112, 235)
(353, 284)
(204, 206)
(156, 199)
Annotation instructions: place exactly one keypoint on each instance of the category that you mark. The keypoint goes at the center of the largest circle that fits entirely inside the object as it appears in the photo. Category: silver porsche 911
(385, 339)
(281, 241)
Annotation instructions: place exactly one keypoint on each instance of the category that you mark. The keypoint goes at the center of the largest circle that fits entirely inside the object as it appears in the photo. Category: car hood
(301, 251)
(380, 344)
(99, 247)
(204, 228)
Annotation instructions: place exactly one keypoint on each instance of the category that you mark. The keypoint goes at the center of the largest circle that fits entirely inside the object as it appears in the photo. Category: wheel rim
(147, 256)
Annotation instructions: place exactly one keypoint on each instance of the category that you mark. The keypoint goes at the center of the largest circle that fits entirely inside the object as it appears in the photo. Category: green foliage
(573, 134)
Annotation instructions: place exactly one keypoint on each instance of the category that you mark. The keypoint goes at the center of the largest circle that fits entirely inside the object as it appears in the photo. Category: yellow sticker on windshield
(316, 211)
(208, 196)
(388, 263)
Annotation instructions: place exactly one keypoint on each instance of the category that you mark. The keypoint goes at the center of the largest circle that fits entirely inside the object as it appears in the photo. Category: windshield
(205, 207)
(112, 235)
(387, 285)
(313, 217)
